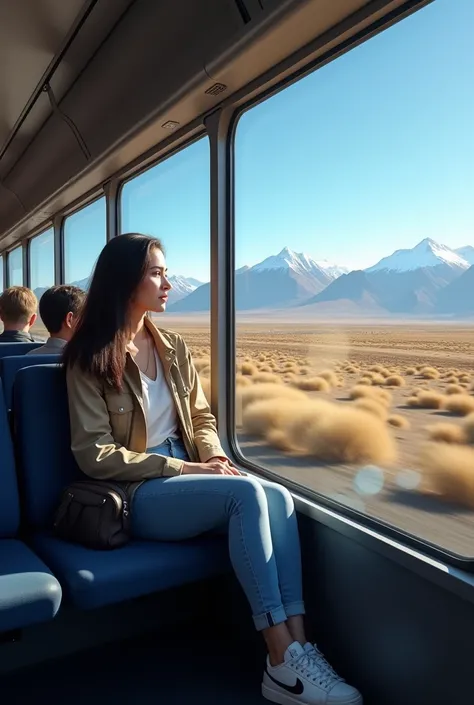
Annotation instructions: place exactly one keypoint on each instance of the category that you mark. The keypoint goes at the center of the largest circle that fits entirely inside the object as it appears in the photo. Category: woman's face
(152, 292)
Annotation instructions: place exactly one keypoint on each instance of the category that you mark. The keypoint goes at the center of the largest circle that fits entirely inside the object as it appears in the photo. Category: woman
(138, 413)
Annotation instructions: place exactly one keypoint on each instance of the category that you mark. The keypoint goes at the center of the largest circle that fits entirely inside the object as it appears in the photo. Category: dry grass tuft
(460, 404)
(241, 381)
(395, 381)
(446, 433)
(266, 415)
(410, 371)
(398, 421)
(266, 378)
(454, 389)
(258, 392)
(312, 384)
(448, 472)
(320, 429)
(367, 381)
(248, 368)
(329, 376)
(427, 399)
(429, 373)
(359, 392)
(381, 395)
(372, 406)
(468, 427)
(349, 435)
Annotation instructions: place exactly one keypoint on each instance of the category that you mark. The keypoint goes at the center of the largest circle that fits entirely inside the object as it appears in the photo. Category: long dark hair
(98, 345)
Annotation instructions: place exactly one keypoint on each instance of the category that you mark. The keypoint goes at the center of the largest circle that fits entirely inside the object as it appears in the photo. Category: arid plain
(377, 416)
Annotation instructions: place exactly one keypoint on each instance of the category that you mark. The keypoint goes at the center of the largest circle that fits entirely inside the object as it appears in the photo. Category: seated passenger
(18, 306)
(59, 308)
(138, 413)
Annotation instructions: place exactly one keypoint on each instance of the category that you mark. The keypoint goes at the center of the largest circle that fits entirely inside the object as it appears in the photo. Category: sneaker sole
(277, 696)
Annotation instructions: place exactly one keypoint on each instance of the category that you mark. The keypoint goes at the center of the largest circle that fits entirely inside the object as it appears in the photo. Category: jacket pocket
(121, 408)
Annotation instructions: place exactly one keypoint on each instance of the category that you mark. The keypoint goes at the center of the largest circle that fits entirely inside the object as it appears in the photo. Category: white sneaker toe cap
(344, 694)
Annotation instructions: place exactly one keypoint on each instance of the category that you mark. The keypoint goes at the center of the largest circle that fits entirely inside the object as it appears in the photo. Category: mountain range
(427, 280)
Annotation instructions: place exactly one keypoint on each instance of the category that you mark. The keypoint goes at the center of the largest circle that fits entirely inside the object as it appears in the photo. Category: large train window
(15, 267)
(41, 259)
(354, 224)
(85, 234)
(171, 201)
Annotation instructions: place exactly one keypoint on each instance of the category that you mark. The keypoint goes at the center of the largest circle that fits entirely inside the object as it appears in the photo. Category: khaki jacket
(108, 428)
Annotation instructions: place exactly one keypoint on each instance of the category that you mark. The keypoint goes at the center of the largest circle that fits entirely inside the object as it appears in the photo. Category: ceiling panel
(31, 33)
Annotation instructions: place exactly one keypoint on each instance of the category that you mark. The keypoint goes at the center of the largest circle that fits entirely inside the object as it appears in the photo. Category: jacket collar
(162, 344)
(166, 353)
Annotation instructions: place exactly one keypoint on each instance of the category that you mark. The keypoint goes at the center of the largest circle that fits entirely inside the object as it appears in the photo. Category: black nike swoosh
(296, 689)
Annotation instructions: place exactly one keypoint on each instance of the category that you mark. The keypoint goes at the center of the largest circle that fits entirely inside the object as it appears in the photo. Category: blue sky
(369, 154)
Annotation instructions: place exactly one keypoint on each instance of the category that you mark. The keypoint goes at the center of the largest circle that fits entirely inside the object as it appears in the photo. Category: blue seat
(90, 578)
(29, 593)
(17, 348)
(9, 366)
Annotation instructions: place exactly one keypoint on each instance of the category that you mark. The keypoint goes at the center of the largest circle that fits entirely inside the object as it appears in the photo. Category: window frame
(306, 497)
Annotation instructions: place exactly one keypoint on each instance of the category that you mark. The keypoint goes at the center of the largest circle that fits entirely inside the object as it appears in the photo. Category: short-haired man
(59, 308)
(18, 306)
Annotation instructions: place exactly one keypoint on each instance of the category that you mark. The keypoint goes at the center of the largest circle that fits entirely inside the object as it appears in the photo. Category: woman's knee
(249, 490)
(278, 497)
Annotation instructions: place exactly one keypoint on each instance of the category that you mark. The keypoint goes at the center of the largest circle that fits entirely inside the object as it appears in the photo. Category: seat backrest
(9, 500)
(9, 367)
(17, 348)
(41, 420)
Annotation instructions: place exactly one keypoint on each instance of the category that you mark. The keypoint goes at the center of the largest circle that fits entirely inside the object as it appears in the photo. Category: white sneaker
(303, 680)
(341, 692)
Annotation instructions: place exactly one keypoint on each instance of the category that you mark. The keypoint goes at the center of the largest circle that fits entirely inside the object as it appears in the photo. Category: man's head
(59, 308)
(18, 306)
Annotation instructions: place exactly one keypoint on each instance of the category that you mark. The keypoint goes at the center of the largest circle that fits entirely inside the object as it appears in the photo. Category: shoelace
(304, 664)
(318, 658)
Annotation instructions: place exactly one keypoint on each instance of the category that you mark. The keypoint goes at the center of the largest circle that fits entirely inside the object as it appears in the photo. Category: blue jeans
(260, 520)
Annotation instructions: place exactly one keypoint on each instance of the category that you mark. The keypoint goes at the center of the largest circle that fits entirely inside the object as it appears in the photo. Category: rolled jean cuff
(270, 619)
(294, 609)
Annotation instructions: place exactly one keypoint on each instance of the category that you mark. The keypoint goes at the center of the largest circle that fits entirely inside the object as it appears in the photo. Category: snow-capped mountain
(457, 299)
(300, 263)
(427, 253)
(466, 253)
(181, 287)
(279, 281)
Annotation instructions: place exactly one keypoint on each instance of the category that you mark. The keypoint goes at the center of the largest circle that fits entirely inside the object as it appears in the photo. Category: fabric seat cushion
(92, 579)
(29, 593)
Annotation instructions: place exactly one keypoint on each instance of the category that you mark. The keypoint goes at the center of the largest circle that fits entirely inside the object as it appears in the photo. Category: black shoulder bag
(94, 513)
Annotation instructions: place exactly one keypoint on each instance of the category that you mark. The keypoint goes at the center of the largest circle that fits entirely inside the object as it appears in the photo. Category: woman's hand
(214, 466)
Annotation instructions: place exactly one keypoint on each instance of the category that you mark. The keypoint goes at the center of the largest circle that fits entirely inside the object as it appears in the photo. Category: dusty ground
(393, 492)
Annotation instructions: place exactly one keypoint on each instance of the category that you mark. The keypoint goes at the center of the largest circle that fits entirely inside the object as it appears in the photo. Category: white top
(160, 411)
